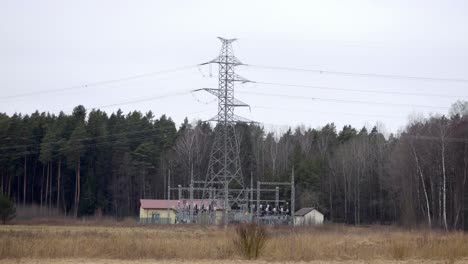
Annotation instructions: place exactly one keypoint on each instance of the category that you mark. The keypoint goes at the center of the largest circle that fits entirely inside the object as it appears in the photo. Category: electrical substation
(224, 196)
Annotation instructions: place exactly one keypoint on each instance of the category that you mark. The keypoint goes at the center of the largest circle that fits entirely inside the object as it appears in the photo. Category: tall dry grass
(201, 242)
(350, 243)
(113, 242)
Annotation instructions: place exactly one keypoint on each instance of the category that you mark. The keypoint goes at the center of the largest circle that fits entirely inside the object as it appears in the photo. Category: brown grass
(150, 261)
(335, 243)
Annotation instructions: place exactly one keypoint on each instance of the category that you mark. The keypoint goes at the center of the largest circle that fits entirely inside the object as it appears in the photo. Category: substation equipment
(223, 197)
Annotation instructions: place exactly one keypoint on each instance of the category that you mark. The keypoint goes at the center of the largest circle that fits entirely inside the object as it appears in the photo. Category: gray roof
(304, 211)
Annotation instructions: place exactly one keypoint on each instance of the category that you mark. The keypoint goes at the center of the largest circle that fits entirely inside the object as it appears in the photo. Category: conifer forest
(91, 162)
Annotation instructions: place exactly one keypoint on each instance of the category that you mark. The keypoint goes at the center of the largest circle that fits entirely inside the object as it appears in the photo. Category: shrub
(250, 239)
(7, 209)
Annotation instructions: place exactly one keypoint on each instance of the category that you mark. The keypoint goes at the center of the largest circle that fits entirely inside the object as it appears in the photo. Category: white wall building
(308, 216)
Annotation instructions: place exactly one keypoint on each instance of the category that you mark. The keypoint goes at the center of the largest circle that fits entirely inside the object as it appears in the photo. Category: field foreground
(208, 244)
(110, 261)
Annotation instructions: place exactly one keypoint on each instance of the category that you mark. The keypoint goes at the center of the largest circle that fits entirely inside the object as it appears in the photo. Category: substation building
(178, 211)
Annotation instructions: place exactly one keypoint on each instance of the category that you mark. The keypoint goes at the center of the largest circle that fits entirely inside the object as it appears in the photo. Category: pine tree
(75, 149)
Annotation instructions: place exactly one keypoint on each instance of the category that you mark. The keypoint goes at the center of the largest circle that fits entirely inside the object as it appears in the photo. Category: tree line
(88, 163)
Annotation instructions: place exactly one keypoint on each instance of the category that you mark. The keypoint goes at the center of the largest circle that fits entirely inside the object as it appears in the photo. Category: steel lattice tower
(224, 168)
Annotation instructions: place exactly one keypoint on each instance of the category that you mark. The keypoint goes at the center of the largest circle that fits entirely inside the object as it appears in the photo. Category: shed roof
(158, 204)
(304, 211)
(173, 204)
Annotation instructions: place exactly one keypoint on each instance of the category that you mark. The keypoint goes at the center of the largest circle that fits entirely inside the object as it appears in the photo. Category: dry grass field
(207, 244)
(113, 261)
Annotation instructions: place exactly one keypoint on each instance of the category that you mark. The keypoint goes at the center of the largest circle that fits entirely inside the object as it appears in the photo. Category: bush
(7, 209)
(250, 239)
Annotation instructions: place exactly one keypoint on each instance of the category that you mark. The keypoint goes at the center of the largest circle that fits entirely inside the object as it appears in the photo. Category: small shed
(158, 211)
(308, 216)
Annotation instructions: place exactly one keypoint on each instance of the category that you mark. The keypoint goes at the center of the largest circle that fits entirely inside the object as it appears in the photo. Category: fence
(274, 220)
(155, 220)
(234, 217)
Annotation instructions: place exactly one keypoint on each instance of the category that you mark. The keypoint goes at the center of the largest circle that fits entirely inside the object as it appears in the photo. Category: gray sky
(60, 44)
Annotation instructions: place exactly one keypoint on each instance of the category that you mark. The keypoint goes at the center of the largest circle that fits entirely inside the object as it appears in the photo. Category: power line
(362, 90)
(84, 145)
(144, 99)
(89, 144)
(82, 139)
(117, 142)
(358, 74)
(140, 99)
(399, 137)
(137, 100)
(321, 112)
(153, 129)
(341, 100)
(99, 83)
(434, 138)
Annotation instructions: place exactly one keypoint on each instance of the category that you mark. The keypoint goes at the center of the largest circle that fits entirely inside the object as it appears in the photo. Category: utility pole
(224, 167)
(179, 189)
(168, 196)
(293, 194)
(251, 192)
(258, 198)
(277, 197)
(191, 194)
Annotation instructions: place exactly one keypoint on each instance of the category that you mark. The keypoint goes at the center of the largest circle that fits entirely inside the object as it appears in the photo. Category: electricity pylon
(224, 168)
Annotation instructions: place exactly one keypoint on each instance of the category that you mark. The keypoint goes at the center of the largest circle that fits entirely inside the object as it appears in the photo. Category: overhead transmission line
(137, 100)
(85, 145)
(340, 100)
(360, 74)
(149, 74)
(104, 82)
(132, 77)
(149, 130)
(86, 138)
(144, 99)
(287, 109)
(135, 136)
(360, 90)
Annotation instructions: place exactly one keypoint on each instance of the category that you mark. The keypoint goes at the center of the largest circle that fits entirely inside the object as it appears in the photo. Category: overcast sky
(47, 45)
